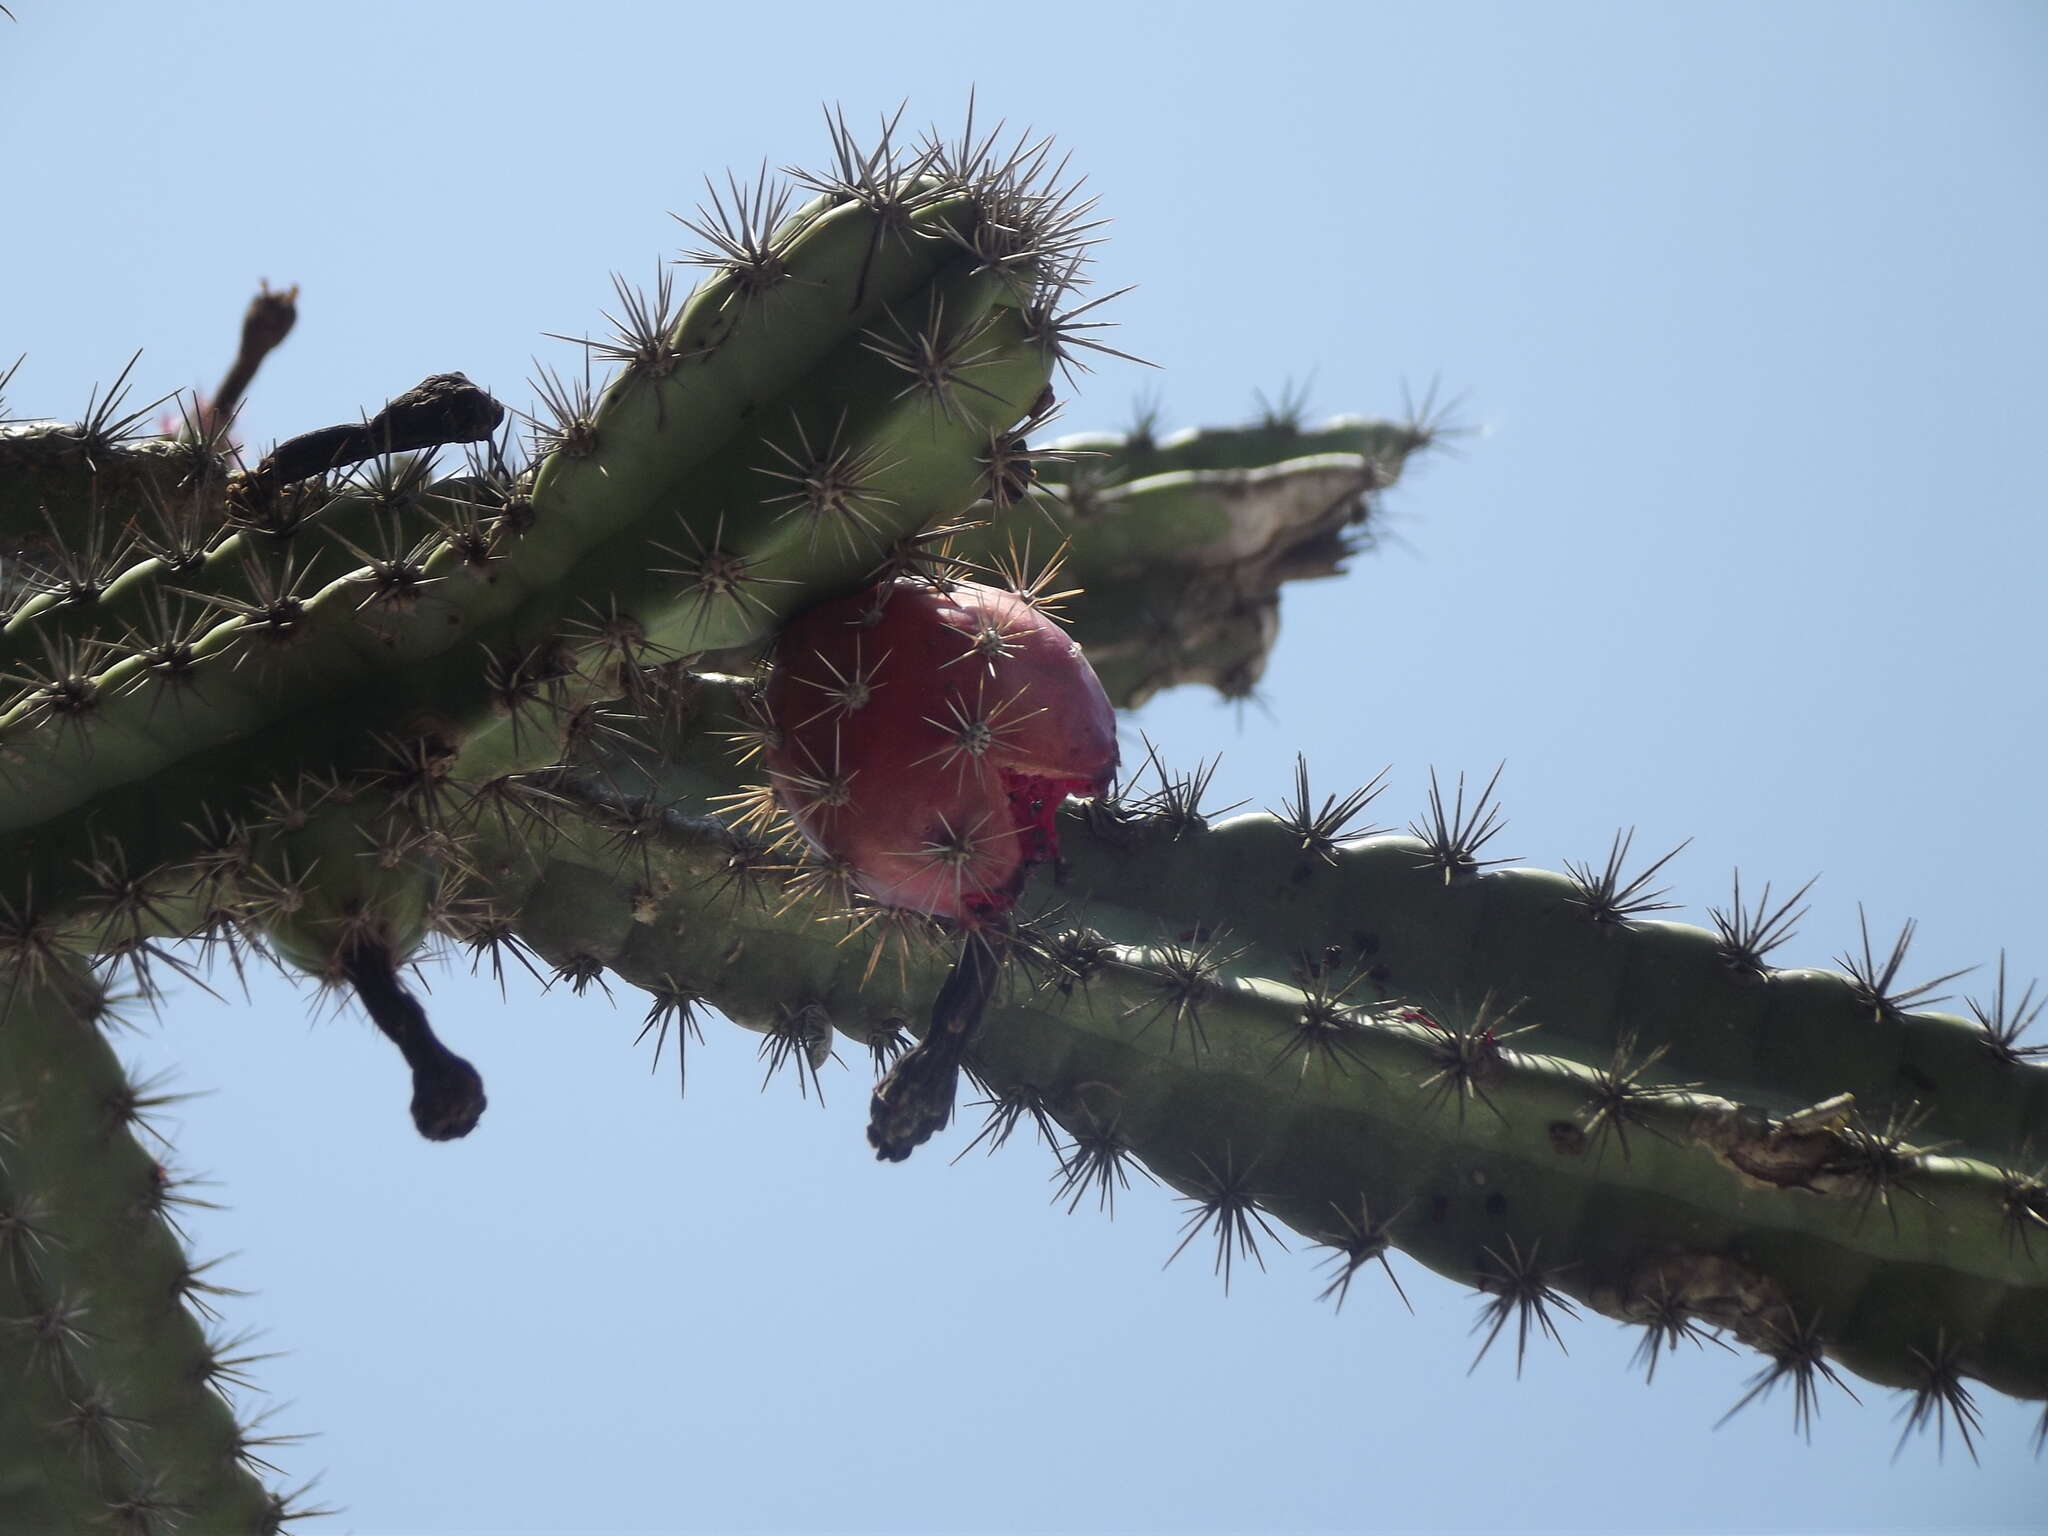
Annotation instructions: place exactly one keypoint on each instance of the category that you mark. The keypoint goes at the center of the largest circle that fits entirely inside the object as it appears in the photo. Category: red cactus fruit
(926, 735)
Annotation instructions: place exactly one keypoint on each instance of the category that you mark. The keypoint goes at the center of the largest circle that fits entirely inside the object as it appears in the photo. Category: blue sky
(1746, 301)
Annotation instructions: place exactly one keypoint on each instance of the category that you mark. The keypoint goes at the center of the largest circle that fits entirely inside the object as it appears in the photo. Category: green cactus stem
(1183, 569)
(1421, 917)
(59, 478)
(1826, 1234)
(115, 1415)
(1089, 462)
(1416, 918)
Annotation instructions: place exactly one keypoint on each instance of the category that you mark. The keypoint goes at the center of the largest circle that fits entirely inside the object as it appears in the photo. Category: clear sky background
(1748, 302)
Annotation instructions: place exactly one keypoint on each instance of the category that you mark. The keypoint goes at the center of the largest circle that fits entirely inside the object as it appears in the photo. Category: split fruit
(925, 734)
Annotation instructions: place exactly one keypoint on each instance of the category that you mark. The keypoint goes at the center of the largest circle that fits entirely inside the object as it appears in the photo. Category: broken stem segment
(447, 1092)
(915, 1101)
(442, 408)
(269, 320)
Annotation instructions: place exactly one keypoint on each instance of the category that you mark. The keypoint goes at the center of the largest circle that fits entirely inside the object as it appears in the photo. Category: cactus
(319, 713)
